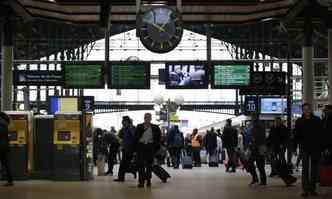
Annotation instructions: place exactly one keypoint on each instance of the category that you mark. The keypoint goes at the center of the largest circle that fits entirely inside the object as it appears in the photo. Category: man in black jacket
(147, 142)
(258, 151)
(127, 136)
(277, 141)
(230, 141)
(309, 134)
(4, 147)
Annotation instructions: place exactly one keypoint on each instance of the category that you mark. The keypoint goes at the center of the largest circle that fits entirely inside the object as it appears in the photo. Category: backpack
(178, 140)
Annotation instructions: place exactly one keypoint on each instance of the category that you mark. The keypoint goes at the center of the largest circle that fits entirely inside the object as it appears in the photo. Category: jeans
(197, 156)
(127, 156)
(175, 153)
(145, 154)
(4, 160)
(310, 164)
(231, 158)
(260, 162)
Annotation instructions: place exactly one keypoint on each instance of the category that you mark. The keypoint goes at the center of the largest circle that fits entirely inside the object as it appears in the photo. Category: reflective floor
(199, 183)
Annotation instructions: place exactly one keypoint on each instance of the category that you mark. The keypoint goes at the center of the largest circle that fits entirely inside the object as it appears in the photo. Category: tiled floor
(199, 183)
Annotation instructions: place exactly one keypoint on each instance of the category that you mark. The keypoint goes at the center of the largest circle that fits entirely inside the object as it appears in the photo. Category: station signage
(250, 105)
(266, 83)
(38, 78)
(87, 103)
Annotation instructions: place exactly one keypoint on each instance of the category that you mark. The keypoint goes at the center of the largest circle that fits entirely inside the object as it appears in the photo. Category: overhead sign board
(266, 83)
(38, 78)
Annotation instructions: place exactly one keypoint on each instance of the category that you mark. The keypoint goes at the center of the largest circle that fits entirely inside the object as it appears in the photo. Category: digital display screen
(62, 104)
(64, 136)
(231, 75)
(192, 75)
(273, 106)
(129, 75)
(83, 75)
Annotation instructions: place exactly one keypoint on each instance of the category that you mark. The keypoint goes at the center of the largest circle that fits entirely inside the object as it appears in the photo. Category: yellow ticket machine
(66, 146)
(20, 141)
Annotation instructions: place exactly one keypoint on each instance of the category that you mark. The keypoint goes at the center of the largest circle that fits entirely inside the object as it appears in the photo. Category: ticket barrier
(66, 146)
(20, 142)
(43, 147)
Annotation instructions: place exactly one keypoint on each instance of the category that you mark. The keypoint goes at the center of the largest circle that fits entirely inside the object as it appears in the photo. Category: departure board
(231, 75)
(83, 75)
(129, 75)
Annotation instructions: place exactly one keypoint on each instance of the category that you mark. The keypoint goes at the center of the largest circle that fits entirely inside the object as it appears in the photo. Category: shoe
(118, 180)
(109, 173)
(233, 171)
(8, 184)
(164, 180)
(272, 175)
(253, 182)
(140, 185)
(313, 193)
(262, 184)
(305, 194)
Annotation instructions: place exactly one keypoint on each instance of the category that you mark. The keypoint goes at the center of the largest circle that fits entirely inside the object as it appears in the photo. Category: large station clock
(160, 29)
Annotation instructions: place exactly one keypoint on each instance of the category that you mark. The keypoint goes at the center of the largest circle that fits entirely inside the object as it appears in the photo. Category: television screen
(186, 75)
(83, 75)
(230, 75)
(129, 75)
(273, 106)
(62, 104)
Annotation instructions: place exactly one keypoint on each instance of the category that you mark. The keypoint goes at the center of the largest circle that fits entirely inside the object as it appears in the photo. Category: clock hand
(161, 29)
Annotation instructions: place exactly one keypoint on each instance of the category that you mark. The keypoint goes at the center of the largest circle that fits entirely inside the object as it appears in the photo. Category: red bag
(325, 173)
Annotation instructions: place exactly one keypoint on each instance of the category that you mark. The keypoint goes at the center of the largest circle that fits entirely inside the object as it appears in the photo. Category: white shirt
(147, 137)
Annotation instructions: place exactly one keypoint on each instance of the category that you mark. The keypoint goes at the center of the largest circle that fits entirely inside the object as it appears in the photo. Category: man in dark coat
(309, 135)
(277, 141)
(147, 143)
(175, 143)
(4, 147)
(127, 136)
(230, 141)
(258, 151)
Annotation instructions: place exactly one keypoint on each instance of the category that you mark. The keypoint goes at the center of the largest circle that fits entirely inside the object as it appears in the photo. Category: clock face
(160, 29)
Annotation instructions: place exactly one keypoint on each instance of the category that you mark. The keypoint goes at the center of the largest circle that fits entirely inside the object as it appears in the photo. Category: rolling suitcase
(161, 173)
(187, 162)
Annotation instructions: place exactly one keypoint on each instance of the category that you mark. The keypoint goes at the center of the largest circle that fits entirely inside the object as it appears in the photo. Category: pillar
(330, 65)
(308, 66)
(7, 64)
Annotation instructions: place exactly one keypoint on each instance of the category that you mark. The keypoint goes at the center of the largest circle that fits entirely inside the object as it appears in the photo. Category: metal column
(308, 67)
(7, 64)
(330, 65)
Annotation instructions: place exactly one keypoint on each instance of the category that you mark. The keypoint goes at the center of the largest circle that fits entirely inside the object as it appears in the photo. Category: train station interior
(91, 88)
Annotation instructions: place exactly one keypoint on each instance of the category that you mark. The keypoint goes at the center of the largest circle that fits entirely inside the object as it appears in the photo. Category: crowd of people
(249, 147)
(139, 148)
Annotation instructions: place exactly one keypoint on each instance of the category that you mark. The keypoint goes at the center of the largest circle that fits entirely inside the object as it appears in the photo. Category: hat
(126, 118)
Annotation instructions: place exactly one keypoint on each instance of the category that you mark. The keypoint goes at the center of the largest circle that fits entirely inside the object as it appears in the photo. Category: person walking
(127, 137)
(147, 142)
(4, 147)
(175, 142)
(277, 142)
(113, 148)
(258, 151)
(211, 144)
(309, 135)
(196, 142)
(230, 142)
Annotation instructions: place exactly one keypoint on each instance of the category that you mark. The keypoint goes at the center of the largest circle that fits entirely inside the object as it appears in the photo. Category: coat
(230, 137)
(156, 133)
(4, 141)
(309, 134)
